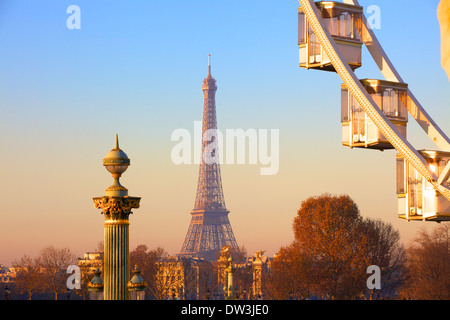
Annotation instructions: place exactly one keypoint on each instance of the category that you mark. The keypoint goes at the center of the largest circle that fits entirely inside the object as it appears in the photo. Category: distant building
(194, 278)
(7, 275)
(91, 261)
(249, 276)
(180, 278)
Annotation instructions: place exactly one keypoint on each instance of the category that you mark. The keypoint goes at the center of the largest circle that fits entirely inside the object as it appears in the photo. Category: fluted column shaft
(117, 260)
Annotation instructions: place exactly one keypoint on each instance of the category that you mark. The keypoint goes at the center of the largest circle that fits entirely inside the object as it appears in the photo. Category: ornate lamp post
(95, 287)
(116, 206)
(137, 285)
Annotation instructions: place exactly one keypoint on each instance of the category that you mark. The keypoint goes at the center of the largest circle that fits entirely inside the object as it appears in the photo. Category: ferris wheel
(374, 112)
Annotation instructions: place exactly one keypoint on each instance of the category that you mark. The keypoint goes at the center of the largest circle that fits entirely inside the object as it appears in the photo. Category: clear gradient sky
(136, 68)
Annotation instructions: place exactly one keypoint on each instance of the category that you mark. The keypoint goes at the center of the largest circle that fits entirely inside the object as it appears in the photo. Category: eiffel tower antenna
(209, 64)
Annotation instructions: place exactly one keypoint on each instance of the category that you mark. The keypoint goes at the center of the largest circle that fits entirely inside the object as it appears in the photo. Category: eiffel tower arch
(210, 229)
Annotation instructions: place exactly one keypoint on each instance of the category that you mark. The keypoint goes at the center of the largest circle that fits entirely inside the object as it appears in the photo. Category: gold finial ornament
(116, 162)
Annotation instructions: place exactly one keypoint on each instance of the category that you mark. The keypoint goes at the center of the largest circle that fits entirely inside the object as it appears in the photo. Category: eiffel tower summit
(210, 229)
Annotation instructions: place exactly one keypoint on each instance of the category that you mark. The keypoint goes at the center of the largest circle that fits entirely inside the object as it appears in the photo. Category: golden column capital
(116, 208)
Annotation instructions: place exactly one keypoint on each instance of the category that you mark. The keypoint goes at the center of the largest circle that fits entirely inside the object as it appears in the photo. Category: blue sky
(135, 68)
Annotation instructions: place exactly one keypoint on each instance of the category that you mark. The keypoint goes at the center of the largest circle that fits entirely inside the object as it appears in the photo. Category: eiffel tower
(210, 229)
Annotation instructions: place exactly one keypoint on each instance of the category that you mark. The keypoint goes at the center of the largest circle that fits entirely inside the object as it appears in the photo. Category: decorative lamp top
(136, 283)
(96, 284)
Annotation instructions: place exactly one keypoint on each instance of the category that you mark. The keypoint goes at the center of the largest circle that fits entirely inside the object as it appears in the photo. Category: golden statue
(224, 253)
(259, 254)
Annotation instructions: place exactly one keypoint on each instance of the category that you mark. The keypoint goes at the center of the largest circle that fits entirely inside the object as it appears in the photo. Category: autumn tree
(29, 278)
(207, 280)
(385, 250)
(54, 262)
(333, 247)
(328, 230)
(429, 265)
(145, 260)
(239, 254)
(148, 263)
(243, 280)
(292, 274)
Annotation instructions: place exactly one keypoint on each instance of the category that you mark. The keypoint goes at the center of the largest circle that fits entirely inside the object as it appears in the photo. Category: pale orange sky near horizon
(62, 106)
